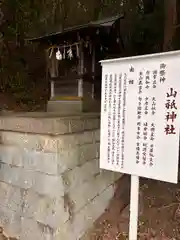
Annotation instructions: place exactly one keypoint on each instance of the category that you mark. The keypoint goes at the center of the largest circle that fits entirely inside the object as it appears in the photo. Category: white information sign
(140, 115)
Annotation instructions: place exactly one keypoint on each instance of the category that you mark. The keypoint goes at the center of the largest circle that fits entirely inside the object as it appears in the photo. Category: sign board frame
(164, 119)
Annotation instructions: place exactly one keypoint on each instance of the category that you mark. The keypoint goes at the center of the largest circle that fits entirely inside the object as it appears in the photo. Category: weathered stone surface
(47, 162)
(41, 162)
(86, 124)
(17, 176)
(52, 212)
(44, 209)
(47, 143)
(85, 192)
(77, 176)
(77, 138)
(84, 219)
(11, 155)
(6, 215)
(15, 200)
(10, 221)
(48, 232)
(13, 228)
(5, 193)
(9, 174)
(31, 160)
(29, 141)
(30, 230)
(30, 204)
(77, 156)
(46, 123)
(49, 185)
(49, 176)
(97, 135)
(27, 179)
(41, 183)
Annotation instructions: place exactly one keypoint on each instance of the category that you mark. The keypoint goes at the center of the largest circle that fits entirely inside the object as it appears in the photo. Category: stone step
(49, 123)
(85, 218)
(50, 185)
(49, 143)
(49, 162)
(65, 106)
(92, 188)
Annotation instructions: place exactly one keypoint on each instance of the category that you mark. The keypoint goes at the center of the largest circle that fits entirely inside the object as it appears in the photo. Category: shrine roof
(107, 22)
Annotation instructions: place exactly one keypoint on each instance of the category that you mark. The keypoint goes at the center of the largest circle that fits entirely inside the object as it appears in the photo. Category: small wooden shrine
(73, 57)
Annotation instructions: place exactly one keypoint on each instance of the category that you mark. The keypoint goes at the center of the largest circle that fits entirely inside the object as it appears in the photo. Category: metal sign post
(134, 203)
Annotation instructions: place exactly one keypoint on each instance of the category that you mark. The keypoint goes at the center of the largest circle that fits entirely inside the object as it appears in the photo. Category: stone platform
(51, 186)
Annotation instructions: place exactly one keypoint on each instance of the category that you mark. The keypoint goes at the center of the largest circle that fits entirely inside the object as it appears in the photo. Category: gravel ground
(159, 215)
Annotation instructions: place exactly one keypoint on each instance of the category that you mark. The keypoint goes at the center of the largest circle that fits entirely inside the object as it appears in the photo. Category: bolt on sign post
(140, 120)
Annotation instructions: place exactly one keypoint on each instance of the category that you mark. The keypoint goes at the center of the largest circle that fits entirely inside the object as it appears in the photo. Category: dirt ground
(159, 215)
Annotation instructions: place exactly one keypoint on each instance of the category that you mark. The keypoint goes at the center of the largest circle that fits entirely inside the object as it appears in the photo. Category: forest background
(151, 26)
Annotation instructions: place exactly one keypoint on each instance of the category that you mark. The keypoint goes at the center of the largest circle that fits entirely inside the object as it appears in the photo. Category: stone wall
(51, 187)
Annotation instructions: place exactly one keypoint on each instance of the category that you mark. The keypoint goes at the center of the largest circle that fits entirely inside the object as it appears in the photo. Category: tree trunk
(170, 21)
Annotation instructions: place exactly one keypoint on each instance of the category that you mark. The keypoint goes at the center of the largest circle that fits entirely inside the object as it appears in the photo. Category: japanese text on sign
(140, 116)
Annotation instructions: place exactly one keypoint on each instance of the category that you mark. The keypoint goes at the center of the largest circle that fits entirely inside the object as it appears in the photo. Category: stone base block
(73, 106)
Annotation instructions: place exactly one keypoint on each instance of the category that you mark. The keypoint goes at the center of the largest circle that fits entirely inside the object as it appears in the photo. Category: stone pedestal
(73, 107)
(51, 186)
(72, 97)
